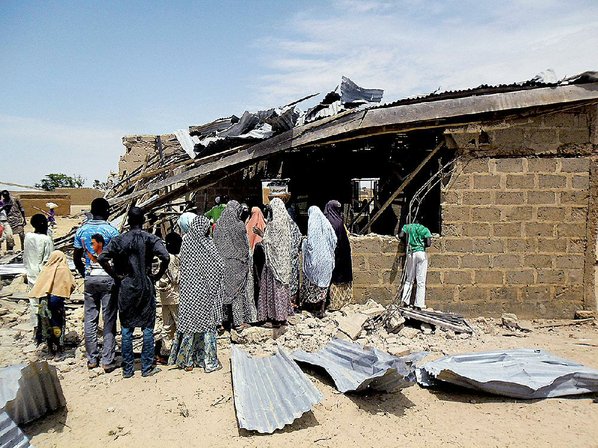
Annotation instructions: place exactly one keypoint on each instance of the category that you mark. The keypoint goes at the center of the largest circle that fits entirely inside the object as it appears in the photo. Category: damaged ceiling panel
(270, 392)
(522, 373)
(28, 392)
(355, 368)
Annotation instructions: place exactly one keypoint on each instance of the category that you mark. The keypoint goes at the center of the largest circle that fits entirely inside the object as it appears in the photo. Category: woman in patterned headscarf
(230, 238)
(275, 294)
(200, 302)
(341, 286)
(318, 259)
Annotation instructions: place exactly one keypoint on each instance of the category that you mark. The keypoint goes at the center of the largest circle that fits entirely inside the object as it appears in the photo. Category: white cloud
(413, 47)
(32, 148)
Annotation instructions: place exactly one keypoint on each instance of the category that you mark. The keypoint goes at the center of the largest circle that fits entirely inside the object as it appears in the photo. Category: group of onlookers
(231, 267)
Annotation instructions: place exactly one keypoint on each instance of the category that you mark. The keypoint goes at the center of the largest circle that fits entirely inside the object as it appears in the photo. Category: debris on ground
(356, 368)
(28, 392)
(258, 384)
(522, 373)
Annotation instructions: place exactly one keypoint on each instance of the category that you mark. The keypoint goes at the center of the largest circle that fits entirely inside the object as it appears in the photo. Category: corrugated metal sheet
(351, 92)
(521, 373)
(11, 435)
(355, 368)
(28, 392)
(270, 392)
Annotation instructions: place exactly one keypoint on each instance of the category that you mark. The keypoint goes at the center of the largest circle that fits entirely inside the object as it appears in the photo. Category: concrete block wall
(514, 236)
(518, 223)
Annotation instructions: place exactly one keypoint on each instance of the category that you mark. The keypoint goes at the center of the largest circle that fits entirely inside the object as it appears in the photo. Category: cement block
(486, 181)
(550, 181)
(521, 277)
(541, 197)
(509, 198)
(574, 197)
(520, 181)
(575, 165)
(541, 165)
(507, 229)
(457, 277)
(509, 165)
(506, 261)
(574, 136)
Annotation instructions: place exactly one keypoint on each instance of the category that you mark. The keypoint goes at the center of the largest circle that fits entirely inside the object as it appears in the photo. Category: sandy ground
(179, 408)
(196, 409)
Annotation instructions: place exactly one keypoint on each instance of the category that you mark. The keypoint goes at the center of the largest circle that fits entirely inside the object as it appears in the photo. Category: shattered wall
(138, 147)
(519, 225)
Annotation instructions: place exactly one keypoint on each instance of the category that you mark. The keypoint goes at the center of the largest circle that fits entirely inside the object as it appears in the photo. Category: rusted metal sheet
(30, 391)
(270, 392)
(355, 368)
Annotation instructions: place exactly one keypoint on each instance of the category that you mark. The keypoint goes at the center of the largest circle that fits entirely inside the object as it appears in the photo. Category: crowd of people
(232, 267)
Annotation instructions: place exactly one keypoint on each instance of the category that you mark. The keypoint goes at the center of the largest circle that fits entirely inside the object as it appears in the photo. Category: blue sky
(78, 75)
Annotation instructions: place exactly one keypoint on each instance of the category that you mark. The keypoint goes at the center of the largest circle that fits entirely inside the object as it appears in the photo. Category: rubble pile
(363, 324)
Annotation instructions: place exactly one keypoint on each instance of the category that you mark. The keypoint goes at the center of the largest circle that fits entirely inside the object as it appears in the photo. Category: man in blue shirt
(99, 286)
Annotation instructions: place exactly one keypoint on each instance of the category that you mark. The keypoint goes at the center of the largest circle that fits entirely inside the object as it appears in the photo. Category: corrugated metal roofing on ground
(11, 435)
(355, 368)
(28, 392)
(270, 392)
(521, 373)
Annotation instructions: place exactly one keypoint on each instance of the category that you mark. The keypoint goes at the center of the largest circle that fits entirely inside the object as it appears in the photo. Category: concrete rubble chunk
(585, 314)
(352, 324)
(252, 335)
(409, 332)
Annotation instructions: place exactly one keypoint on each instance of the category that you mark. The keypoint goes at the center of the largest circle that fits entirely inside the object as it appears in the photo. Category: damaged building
(505, 176)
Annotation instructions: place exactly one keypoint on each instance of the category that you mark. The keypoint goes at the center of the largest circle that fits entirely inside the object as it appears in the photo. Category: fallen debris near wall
(354, 368)
(270, 392)
(28, 392)
(523, 373)
(448, 321)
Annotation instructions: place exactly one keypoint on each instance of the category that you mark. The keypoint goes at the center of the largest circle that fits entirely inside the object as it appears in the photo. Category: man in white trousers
(417, 239)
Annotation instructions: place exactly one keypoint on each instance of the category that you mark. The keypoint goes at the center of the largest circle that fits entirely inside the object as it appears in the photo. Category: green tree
(58, 180)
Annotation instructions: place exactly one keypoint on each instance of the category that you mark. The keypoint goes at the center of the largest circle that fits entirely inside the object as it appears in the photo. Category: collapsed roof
(227, 145)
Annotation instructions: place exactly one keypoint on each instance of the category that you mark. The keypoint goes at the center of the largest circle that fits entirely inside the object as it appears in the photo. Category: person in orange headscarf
(255, 247)
(54, 284)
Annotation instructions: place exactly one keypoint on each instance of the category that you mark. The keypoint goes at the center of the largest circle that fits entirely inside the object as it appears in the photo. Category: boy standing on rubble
(417, 239)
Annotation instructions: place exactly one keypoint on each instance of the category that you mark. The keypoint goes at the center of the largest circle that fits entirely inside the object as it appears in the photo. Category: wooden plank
(403, 185)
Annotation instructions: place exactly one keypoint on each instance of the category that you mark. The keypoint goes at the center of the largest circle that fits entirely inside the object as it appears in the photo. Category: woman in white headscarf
(275, 294)
(318, 259)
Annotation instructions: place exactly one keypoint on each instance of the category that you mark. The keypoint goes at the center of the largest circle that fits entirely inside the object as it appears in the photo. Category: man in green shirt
(214, 213)
(417, 238)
